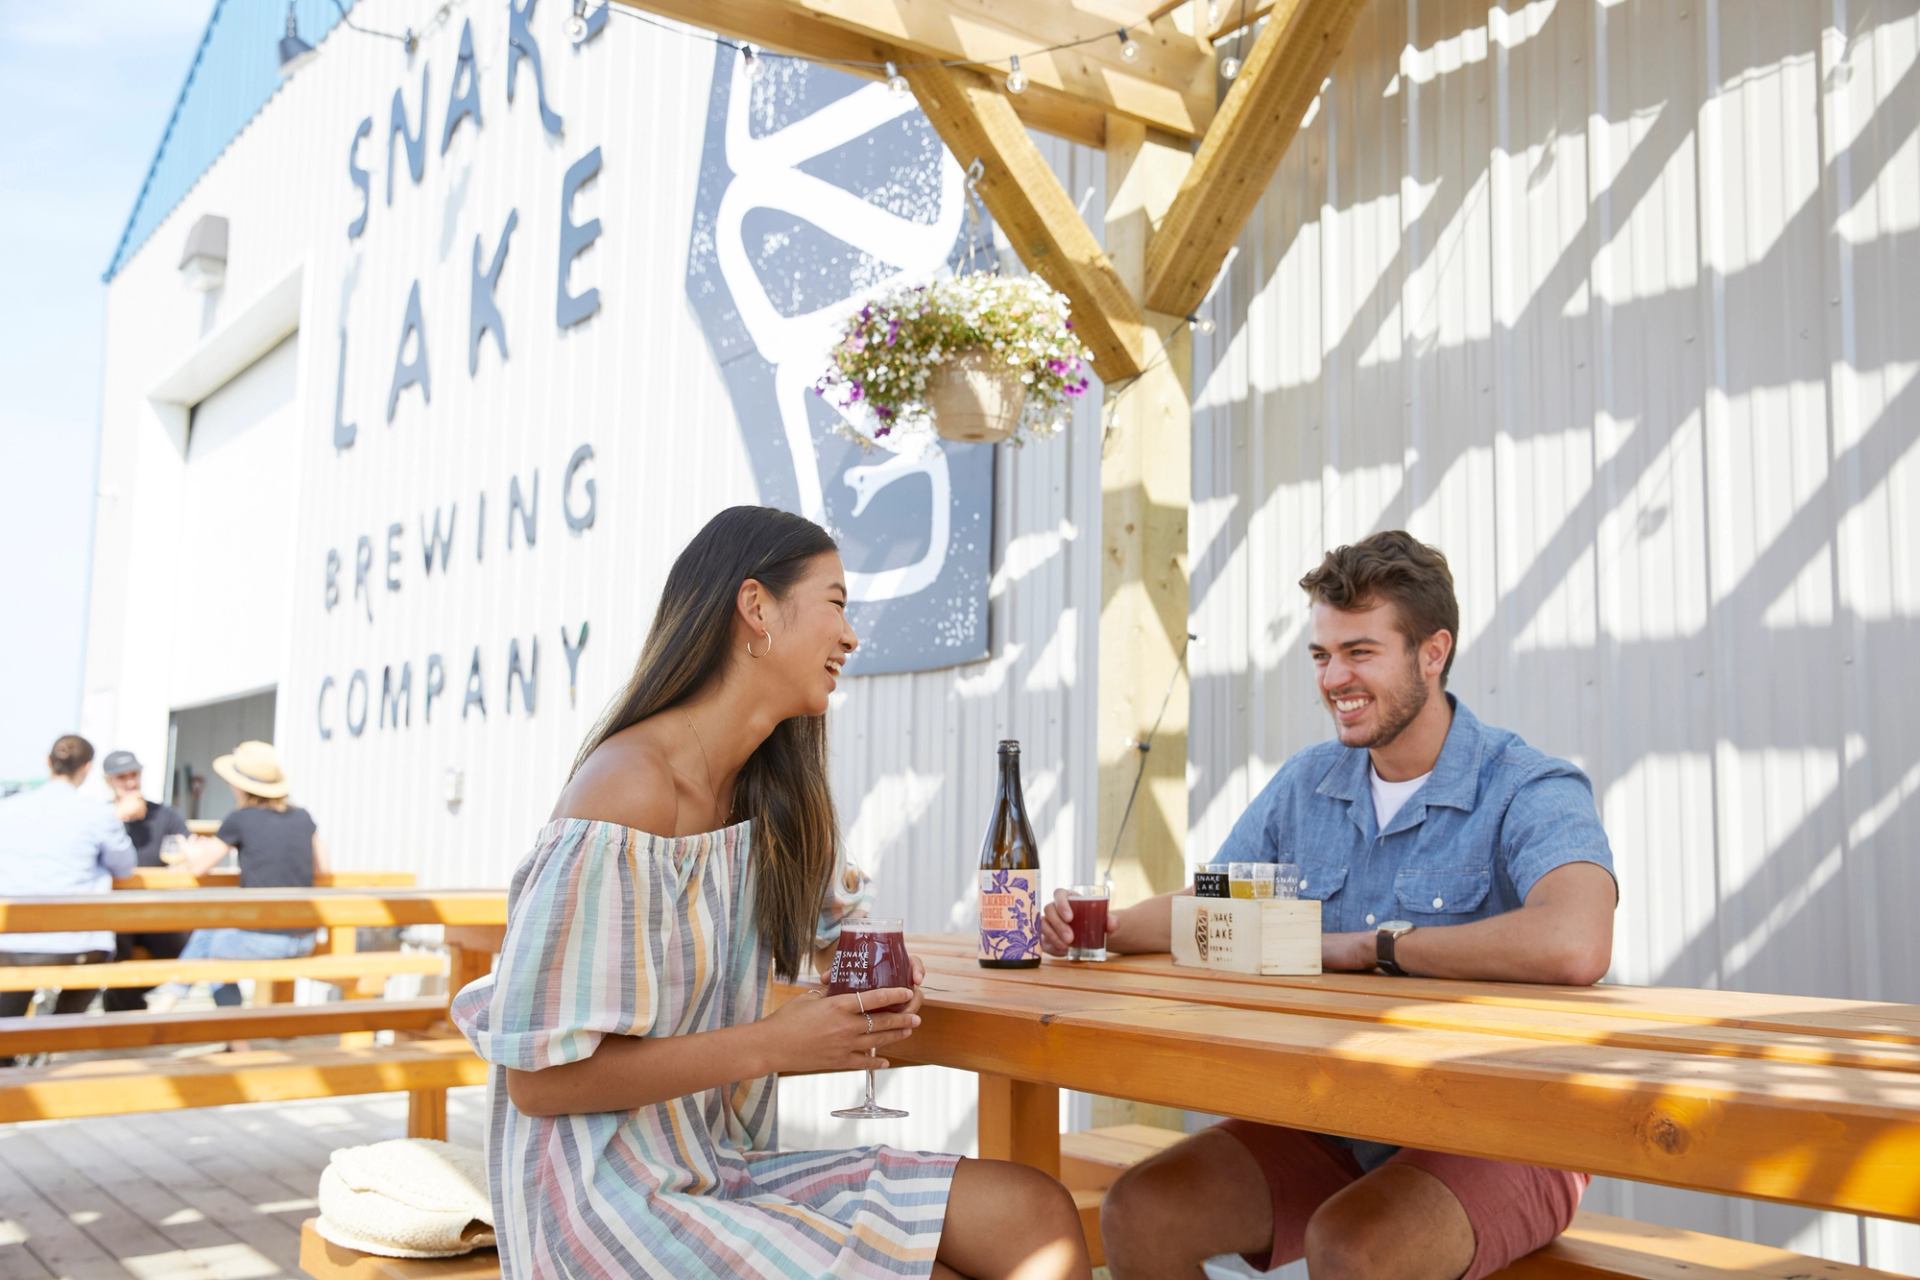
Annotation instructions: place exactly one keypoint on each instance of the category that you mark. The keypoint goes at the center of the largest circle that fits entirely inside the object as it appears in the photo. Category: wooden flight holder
(1247, 935)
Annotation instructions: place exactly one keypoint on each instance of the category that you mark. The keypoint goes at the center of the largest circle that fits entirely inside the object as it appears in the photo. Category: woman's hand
(819, 1032)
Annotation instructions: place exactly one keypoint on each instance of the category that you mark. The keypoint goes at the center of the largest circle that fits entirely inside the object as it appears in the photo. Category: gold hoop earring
(752, 654)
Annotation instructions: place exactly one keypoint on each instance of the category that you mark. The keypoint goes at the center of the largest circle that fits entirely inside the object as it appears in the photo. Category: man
(1437, 846)
(147, 823)
(56, 841)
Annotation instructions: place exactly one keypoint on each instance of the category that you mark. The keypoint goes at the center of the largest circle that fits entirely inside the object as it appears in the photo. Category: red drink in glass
(871, 954)
(1088, 902)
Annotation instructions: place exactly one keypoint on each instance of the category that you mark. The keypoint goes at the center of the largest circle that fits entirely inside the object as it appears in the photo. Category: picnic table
(429, 1061)
(1797, 1099)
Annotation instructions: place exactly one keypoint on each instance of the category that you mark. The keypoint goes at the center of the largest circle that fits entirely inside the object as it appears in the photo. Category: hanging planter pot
(978, 358)
(975, 399)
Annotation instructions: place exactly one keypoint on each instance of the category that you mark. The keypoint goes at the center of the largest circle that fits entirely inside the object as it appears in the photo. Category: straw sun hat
(254, 767)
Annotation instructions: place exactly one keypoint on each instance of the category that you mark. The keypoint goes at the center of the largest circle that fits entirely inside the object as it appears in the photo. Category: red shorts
(1514, 1208)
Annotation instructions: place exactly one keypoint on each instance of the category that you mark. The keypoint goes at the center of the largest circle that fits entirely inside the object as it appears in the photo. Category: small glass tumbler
(1250, 880)
(1089, 905)
(1286, 880)
(1210, 879)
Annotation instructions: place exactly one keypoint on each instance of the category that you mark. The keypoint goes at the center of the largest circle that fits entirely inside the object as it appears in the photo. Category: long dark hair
(782, 787)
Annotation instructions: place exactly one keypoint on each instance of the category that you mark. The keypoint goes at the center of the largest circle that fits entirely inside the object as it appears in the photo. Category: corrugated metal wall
(1616, 303)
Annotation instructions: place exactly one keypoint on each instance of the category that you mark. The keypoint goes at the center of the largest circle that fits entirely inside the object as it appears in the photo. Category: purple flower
(883, 411)
(1069, 324)
(1056, 366)
(893, 330)
(1074, 389)
(858, 393)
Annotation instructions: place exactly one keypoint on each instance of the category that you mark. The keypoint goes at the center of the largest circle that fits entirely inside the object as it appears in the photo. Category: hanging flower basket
(979, 357)
(975, 398)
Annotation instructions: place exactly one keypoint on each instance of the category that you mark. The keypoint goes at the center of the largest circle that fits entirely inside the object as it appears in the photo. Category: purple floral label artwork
(1009, 915)
(816, 189)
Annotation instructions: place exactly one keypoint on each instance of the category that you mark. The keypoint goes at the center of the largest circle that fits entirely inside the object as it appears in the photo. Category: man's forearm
(1144, 926)
(1528, 945)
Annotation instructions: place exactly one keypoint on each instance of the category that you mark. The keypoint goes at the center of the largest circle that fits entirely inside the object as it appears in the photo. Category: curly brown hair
(1397, 568)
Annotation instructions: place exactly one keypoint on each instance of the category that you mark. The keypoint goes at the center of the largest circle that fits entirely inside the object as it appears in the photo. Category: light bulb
(576, 25)
(1204, 324)
(1129, 48)
(1016, 78)
(896, 82)
(756, 65)
(1229, 67)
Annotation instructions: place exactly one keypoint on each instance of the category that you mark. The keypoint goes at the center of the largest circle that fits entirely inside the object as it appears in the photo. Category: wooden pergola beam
(1068, 97)
(1284, 71)
(975, 120)
(1235, 15)
(1167, 85)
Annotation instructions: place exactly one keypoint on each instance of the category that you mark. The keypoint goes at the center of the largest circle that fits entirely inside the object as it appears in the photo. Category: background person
(56, 842)
(279, 847)
(148, 822)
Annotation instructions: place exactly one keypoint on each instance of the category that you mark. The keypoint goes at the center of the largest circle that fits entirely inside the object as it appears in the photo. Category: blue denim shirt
(1494, 817)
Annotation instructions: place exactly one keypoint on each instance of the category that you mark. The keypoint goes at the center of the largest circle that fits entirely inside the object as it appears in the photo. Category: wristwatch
(1383, 939)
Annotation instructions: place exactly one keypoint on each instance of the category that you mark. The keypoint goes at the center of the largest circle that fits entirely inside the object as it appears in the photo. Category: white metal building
(1615, 302)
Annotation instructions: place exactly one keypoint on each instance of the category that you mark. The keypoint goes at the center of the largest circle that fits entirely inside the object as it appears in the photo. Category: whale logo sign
(817, 189)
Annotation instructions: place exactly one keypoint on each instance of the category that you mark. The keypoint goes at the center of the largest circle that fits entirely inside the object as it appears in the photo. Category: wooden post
(427, 1113)
(1020, 1122)
(1146, 465)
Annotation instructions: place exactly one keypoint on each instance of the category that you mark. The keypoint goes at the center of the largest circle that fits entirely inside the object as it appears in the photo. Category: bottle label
(1009, 915)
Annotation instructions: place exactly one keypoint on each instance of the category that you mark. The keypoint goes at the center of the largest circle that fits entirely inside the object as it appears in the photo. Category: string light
(576, 25)
(1229, 67)
(1199, 323)
(896, 82)
(757, 59)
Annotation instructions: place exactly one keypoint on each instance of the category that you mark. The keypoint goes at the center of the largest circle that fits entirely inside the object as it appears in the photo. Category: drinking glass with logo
(872, 954)
(1089, 905)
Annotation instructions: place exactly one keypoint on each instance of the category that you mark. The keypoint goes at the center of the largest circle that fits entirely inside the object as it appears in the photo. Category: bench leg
(1020, 1122)
(427, 1113)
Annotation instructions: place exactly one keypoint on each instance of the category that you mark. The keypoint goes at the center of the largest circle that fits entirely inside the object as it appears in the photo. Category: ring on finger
(869, 1018)
(860, 998)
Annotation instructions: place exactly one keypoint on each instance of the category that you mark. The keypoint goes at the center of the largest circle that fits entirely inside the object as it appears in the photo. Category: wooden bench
(423, 1069)
(79, 1032)
(1596, 1247)
(348, 969)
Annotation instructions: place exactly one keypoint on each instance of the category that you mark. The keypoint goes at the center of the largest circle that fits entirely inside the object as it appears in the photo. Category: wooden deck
(210, 1194)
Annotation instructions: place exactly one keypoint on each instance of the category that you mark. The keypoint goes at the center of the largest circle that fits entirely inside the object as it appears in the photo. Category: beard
(1394, 709)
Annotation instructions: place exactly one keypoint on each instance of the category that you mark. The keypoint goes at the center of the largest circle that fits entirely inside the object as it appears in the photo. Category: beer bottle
(1009, 876)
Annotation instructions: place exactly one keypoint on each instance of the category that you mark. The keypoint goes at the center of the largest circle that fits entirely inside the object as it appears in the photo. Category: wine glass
(872, 954)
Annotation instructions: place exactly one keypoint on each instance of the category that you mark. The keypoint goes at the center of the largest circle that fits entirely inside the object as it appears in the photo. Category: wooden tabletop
(142, 910)
(180, 878)
(1796, 1099)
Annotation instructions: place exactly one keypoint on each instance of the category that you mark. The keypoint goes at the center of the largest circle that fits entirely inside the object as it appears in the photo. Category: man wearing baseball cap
(148, 823)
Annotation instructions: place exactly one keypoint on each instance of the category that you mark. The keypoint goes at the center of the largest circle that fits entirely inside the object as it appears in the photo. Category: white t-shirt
(1389, 796)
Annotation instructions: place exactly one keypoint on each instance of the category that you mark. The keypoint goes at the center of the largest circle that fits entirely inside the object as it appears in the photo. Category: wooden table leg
(1020, 1122)
(427, 1113)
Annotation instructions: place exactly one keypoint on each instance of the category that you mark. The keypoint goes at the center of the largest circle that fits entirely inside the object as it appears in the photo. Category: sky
(88, 85)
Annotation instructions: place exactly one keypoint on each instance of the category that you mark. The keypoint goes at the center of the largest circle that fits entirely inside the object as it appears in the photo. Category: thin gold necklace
(713, 795)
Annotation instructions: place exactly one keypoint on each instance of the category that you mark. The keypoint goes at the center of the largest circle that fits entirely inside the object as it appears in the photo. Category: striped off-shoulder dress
(612, 931)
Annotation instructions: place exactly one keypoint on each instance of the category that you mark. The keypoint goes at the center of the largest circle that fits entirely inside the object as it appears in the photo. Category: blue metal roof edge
(123, 249)
(318, 22)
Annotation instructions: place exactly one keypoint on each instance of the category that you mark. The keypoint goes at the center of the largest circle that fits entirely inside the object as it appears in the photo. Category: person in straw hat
(279, 847)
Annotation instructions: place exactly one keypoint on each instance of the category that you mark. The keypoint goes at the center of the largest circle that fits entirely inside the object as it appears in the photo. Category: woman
(692, 855)
(279, 848)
